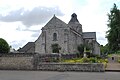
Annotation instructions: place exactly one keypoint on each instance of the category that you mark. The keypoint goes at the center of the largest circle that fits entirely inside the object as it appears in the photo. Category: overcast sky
(21, 20)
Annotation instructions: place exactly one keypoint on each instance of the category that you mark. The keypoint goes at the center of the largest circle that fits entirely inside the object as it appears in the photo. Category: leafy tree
(113, 34)
(81, 47)
(104, 49)
(55, 48)
(4, 47)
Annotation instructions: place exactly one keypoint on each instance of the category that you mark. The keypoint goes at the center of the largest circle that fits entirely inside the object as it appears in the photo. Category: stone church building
(66, 36)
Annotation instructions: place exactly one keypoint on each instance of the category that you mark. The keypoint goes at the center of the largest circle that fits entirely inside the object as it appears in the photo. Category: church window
(54, 36)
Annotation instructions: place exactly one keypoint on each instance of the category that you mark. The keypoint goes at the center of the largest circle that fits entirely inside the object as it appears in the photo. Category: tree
(55, 48)
(104, 49)
(113, 34)
(81, 47)
(4, 47)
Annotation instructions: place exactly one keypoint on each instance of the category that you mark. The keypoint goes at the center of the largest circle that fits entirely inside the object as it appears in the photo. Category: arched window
(54, 36)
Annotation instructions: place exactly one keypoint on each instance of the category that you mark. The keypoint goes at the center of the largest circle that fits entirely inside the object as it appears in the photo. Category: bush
(119, 60)
(69, 61)
(55, 48)
(106, 60)
(85, 60)
(105, 64)
(4, 47)
(93, 60)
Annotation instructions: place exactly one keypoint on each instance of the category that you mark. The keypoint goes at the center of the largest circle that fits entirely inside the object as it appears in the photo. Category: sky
(21, 20)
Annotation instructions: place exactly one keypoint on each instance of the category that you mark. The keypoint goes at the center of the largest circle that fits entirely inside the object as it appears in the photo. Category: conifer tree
(113, 34)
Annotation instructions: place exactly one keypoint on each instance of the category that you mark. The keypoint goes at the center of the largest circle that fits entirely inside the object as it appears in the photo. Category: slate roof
(28, 47)
(89, 35)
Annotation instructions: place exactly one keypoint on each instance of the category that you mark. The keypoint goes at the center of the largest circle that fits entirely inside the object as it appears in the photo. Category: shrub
(85, 60)
(105, 64)
(103, 61)
(106, 60)
(55, 48)
(4, 47)
(78, 61)
(93, 60)
(119, 60)
(69, 61)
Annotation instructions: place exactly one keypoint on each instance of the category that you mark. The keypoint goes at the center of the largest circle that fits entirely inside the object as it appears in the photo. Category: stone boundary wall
(16, 61)
(84, 67)
(17, 54)
(22, 61)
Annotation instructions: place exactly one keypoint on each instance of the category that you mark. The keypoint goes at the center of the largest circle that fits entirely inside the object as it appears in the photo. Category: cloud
(101, 38)
(18, 44)
(26, 29)
(36, 16)
(35, 35)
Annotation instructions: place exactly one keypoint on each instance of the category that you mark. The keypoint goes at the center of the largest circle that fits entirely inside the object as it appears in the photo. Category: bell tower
(74, 23)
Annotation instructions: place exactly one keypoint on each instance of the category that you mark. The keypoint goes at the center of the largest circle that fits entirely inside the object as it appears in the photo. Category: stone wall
(86, 67)
(21, 61)
(16, 61)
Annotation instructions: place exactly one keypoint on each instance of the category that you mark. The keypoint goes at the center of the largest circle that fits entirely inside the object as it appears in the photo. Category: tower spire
(73, 18)
(54, 15)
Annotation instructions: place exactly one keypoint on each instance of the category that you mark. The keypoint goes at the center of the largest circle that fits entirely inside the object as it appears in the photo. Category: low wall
(85, 67)
(33, 62)
(16, 62)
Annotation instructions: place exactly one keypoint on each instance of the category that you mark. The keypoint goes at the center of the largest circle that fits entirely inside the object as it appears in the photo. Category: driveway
(113, 64)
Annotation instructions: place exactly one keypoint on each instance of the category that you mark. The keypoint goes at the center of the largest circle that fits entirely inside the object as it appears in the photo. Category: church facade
(66, 36)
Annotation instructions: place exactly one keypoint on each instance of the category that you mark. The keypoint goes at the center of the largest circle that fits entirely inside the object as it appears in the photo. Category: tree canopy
(55, 48)
(4, 47)
(113, 34)
(104, 49)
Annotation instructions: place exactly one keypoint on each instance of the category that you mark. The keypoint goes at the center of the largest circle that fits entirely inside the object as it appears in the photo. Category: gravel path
(113, 66)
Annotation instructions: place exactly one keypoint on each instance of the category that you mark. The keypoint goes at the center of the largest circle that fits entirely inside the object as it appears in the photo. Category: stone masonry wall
(32, 62)
(16, 62)
(86, 67)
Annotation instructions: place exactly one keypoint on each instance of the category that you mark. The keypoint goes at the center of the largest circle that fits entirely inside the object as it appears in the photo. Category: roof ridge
(55, 20)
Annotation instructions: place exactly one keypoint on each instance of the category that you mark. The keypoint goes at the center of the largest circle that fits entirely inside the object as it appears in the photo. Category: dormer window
(54, 36)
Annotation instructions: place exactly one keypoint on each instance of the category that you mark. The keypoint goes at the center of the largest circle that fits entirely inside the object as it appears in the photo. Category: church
(59, 37)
